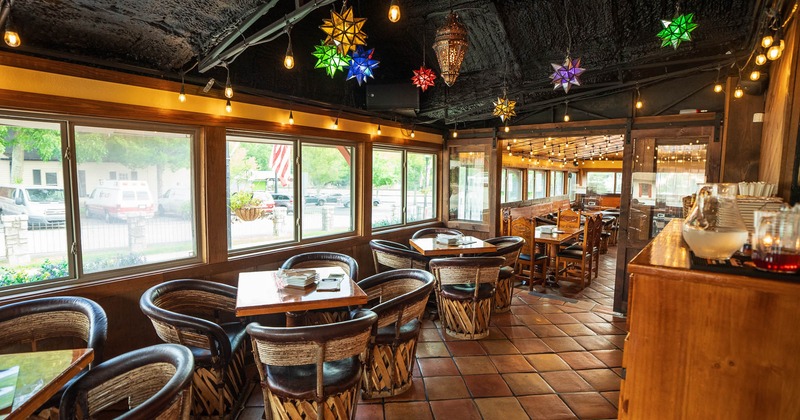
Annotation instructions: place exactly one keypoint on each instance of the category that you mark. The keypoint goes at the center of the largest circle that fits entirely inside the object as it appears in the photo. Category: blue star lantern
(567, 74)
(361, 65)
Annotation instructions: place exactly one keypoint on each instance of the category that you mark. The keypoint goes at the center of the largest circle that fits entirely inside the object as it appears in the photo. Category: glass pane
(618, 183)
(600, 182)
(531, 185)
(327, 184)
(260, 192)
(513, 185)
(421, 178)
(540, 184)
(124, 222)
(33, 233)
(557, 183)
(469, 186)
(387, 174)
(572, 178)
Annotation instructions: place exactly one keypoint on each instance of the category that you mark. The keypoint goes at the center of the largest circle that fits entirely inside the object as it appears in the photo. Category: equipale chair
(317, 260)
(509, 248)
(389, 255)
(432, 232)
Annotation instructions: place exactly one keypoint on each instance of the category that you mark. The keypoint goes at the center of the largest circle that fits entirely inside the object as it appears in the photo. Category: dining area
(318, 339)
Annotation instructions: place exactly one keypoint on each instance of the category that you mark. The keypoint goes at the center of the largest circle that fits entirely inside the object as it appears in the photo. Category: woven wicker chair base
(457, 318)
(206, 395)
(336, 407)
(503, 294)
(390, 371)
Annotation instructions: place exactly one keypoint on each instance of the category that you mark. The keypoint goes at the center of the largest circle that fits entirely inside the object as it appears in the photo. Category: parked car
(321, 200)
(120, 200)
(44, 205)
(176, 202)
(283, 200)
(267, 203)
(375, 202)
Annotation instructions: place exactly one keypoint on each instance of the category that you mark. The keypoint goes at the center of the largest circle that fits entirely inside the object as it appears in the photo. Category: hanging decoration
(504, 108)
(451, 45)
(677, 30)
(423, 78)
(567, 74)
(361, 65)
(329, 58)
(344, 31)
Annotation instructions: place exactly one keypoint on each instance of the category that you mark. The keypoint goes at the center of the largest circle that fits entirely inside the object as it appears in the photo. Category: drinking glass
(776, 242)
(714, 228)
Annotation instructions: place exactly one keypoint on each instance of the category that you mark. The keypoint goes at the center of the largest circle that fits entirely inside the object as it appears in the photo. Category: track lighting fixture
(394, 11)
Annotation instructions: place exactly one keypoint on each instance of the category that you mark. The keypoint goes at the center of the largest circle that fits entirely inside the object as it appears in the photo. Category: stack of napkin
(299, 278)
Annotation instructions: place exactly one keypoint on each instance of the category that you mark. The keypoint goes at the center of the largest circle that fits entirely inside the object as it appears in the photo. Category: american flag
(280, 161)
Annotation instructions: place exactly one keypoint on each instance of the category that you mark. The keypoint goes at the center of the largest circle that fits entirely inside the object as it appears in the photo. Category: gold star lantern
(451, 46)
(504, 108)
(344, 30)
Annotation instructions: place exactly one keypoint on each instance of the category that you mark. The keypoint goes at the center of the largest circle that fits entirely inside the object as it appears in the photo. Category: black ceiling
(511, 42)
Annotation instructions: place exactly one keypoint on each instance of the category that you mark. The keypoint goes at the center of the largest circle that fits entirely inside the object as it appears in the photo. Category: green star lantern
(677, 30)
(329, 58)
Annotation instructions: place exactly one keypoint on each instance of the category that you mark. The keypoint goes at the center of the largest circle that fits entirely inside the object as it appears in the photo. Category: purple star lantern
(567, 74)
(361, 65)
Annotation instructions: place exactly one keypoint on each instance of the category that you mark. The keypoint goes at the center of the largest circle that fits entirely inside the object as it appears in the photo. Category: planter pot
(248, 213)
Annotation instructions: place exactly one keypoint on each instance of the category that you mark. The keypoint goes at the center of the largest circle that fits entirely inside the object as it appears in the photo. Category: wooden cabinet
(703, 345)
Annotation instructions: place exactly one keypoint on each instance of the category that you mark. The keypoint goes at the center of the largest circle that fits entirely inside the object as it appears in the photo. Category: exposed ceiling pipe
(225, 55)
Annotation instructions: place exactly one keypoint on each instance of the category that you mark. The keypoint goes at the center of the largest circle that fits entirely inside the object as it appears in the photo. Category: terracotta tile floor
(545, 359)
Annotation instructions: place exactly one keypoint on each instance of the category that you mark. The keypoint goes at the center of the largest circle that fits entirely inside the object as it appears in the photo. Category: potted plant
(245, 206)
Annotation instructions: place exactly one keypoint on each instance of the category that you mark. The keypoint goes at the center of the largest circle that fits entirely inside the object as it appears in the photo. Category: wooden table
(41, 375)
(260, 293)
(430, 248)
(553, 241)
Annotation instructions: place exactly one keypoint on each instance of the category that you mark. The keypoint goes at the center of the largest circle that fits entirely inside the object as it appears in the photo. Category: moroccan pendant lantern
(451, 46)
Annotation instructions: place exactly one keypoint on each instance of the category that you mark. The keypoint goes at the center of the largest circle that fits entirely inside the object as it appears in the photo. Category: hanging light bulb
(336, 124)
(718, 87)
(291, 118)
(761, 59)
(755, 75)
(288, 59)
(11, 37)
(738, 93)
(775, 51)
(639, 103)
(767, 41)
(412, 133)
(508, 147)
(506, 128)
(566, 117)
(182, 95)
(455, 133)
(228, 88)
(228, 106)
(379, 129)
(566, 111)
(394, 11)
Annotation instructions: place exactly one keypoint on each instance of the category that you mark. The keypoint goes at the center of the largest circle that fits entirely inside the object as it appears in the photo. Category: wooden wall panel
(741, 137)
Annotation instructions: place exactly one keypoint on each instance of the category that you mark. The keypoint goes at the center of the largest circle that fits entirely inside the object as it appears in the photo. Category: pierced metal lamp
(451, 46)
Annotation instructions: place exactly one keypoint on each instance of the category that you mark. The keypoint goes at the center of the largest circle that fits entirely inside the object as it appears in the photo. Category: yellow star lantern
(504, 109)
(344, 30)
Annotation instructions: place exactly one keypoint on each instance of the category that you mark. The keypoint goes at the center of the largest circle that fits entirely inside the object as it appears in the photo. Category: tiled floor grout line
(576, 375)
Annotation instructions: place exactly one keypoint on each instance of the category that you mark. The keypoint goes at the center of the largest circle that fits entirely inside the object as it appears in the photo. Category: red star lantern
(423, 78)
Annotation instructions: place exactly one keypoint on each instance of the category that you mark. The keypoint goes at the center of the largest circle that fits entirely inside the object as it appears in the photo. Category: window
(261, 192)
(391, 185)
(603, 182)
(125, 223)
(51, 178)
(537, 184)
(37, 177)
(327, 185)
(556, 183)
(469, 185)
(511, 189)
(571, 184)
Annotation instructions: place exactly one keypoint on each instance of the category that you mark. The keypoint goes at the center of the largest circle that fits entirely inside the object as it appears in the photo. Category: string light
(336, 123)
(755, 75)
(11, 37)
(455, 130)
(288, 59)
(379, 129)
(566, 109)
(506, 128)
(412, 133)
(291, 118)
(718, 87)
(766, 42)
(738, 93)
(228, 107)
(639, 103)
(182, 95)
(761, 59)
(394, 11)
(776, 50)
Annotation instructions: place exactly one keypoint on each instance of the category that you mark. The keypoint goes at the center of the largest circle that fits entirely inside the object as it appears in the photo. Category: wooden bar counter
(704, 345)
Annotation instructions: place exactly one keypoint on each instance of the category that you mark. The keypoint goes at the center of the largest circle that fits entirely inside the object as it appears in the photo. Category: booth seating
(465, 288)
(324, 259)
(398, 298)
(152, 383)
(312, 372)
(509, 248)
(200, 315)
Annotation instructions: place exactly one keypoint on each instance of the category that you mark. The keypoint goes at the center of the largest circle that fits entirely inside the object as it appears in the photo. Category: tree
(325, 165)
(45, 142)
(386, 169)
